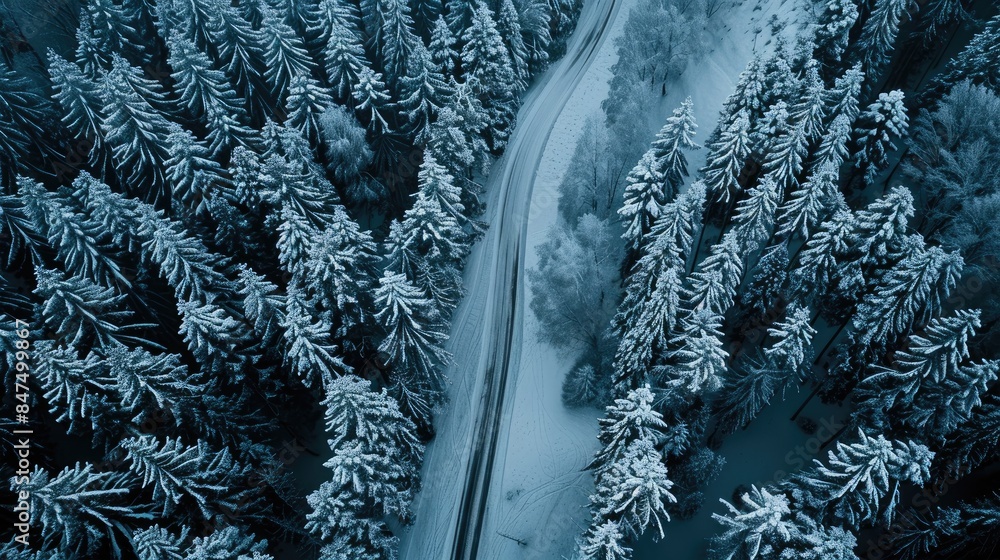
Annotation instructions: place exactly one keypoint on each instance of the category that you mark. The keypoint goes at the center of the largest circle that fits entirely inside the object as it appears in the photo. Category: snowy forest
(223, 224)
(838, 241)
(263, 264)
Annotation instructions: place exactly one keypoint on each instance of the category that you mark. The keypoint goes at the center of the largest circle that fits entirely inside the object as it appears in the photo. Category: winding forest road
(486, 334)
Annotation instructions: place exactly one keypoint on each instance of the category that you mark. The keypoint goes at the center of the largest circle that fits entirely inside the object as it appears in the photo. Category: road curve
(485, 342)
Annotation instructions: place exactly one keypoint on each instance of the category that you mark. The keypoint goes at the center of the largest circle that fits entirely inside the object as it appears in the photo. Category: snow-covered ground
(488, 337)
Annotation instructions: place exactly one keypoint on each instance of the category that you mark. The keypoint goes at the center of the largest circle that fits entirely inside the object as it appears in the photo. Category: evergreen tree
(909, 294)
(605, 542)
(115, 27)
(176, 471)
(884, 119)
(727, 155)
(79, 311)
(713, 285)
(791, 350)
(627, 420)
(977, 61)
(767, 287)
(833, 151)
(135, 131)
(878, 36)
(700, 356)
(343, 59)
(306, 101)
(285, 55)
(240, 52)
(156, 543)
(676, 135)
(833, 29)
(486, 64)
(396, 40)
(643, 199)
(228, 542)
(78, 241)
(843, 98)
(859, 477)
(442, 47)
(635, 490)
(755, 215)
(65, 379)
(509, 26)
(25, 120)
(372, 100)
(215, 338)
(80, 510)
(309, 354)
(424, 92)
(206, 93)
(802, 212)
(648, 335)
(810, 109)
(195, 178)
(80, 99)
(414, 329)
(785, 153)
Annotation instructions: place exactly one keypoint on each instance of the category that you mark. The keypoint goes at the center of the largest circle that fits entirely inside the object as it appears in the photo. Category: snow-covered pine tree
(832, 150)
(700, 357)
(644, 196)
(627, 420)
(184, 262)
(635, 491)
(66, 382)
(940, 408)
(509, 26)
(822, 257)
(178, 472)
(442, 47)
(372, 100)
(878, 35)
(785, 152)
(414, 329)
(833, 30)
(240, 53)
(676, 136)
(117, 28)
(766, 290)
(376, 457)
(216, 339)
(810, 108)
(285, 55)
(713, 284)
(78, 241)
(425, 91)
(791, 349)
(135, 131)
(306, 101)
(80, 509)
(157, 543)
(207, 94)
(727, 155)
(80, 99)
(605, 542)
(195, 178)
(80, 312)
(486, 65)
(808, 205)
(396, 40)
(308, 351)
(648, 334)
(89, 56)
(229, 542)
(907, 295)
(860, 476)
(884, 120)
(844, 96)
(755, 215)
(977, 62)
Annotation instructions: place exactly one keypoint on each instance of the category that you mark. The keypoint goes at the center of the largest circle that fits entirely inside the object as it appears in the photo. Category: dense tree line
(222, 220)
(798, 257)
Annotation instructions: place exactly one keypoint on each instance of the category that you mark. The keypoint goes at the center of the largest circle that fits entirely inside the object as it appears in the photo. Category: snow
(539, 490)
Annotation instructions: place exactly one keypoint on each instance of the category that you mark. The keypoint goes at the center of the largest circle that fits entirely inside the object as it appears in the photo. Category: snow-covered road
(486, 329)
